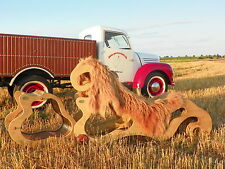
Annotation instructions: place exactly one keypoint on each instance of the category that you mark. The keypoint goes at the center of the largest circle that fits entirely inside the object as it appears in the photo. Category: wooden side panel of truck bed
(57, 55)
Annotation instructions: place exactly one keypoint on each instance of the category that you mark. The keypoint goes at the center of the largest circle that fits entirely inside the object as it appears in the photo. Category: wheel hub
(155, 87)
(31, 87)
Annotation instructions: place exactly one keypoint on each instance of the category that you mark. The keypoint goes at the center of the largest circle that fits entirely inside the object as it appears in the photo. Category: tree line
(217, 56)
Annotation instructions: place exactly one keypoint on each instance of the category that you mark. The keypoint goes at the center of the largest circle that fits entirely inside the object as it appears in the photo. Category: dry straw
(201, 81)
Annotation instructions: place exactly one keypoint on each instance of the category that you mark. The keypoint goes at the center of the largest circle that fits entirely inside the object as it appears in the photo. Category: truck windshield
(116, 40)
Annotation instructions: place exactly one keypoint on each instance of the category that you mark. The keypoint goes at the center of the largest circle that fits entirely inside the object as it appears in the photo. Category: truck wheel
(10, 90)
(155, 85)
(31, 83)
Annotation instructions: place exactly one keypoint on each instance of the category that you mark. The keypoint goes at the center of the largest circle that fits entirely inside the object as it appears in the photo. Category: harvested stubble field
(201, 81)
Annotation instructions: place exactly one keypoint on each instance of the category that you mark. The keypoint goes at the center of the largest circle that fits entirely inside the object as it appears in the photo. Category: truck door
(119, 56)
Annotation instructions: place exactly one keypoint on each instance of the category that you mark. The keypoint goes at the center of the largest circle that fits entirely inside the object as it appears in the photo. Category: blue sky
(163, 27)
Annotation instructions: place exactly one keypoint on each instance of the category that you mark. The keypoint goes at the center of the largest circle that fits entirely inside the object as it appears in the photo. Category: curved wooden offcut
(15, 119)
(100, 77)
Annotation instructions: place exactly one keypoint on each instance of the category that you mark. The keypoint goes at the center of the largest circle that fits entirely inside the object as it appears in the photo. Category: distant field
(202, 81)
(191, 58)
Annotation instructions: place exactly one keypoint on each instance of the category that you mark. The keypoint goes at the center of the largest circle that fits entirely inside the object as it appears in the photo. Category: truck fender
(145, 70)
(27, 69)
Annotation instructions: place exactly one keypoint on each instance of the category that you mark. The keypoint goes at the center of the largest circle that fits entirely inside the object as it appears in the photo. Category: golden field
(201, 81)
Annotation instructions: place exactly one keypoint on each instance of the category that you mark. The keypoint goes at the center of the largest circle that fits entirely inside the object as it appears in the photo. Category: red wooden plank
(4, 65)
(1, 54)
(58, 55)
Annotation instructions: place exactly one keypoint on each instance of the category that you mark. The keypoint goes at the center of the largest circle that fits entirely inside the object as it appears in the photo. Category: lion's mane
(152, 117)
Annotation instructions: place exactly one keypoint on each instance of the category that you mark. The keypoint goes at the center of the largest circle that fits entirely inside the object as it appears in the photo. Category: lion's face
(103, 88)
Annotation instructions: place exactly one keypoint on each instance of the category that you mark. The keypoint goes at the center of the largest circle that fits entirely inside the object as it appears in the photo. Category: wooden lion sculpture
(99, 89)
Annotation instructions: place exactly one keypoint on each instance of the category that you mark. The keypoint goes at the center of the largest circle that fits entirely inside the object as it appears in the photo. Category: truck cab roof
(97, 32)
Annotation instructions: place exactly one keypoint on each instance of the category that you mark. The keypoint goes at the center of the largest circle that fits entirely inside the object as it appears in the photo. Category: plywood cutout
(99, 88)
(15, 119)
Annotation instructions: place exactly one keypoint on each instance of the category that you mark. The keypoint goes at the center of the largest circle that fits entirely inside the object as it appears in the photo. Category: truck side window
(116, 40)
(88, 37)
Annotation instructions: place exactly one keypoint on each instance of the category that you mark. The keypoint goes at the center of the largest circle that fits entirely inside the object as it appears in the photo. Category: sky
(162, 27)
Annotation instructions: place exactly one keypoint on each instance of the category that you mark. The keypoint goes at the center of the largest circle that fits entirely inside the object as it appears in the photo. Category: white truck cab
(115, 51)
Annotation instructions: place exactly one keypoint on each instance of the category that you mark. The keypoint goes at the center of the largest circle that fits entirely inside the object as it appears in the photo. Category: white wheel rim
(156, 86)
(30, 87)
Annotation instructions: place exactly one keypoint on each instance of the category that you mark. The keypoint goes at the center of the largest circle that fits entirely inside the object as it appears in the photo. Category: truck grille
(149, 60)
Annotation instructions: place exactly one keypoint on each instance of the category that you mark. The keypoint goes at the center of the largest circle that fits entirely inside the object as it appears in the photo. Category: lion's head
(94, 80)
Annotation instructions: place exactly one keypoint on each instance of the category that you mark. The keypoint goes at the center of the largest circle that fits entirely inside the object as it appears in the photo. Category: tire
(10, 90)
(155, 85)
(31, 83)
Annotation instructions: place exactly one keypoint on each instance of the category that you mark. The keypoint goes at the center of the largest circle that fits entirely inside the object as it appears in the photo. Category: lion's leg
(204, 122)
(190, 110)
(124, 122)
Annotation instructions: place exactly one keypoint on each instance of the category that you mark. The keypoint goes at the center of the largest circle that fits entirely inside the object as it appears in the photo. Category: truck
(30, 63)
